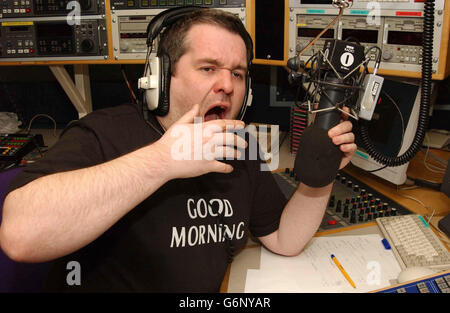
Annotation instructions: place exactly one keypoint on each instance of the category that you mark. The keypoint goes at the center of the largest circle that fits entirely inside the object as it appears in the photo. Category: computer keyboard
(413, 242)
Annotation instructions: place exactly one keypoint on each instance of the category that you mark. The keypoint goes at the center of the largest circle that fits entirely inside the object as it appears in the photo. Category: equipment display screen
(133, 35)
(53, 6)
(363, 36)
(316, 1)
(54, 39)
(18, 28)
(405, 38)
(313, 32)
(45, 30)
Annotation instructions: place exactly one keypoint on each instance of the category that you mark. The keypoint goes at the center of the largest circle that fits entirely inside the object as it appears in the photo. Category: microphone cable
(426, 84)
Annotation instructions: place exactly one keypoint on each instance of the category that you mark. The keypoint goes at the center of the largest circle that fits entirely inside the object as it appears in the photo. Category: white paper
(364, 258)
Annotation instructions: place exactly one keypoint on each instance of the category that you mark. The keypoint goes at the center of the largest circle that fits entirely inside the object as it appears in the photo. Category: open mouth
(215, 113)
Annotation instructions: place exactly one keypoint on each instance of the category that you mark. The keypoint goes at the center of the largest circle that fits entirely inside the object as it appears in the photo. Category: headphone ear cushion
(164, 84)
(247, 98)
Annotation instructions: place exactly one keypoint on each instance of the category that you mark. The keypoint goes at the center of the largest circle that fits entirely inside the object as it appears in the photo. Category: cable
(354, 39)
(436, 158)
(400, 115)
(124, 75)
(37, 147)
(147, 63)
(378, 61)
(429, 166)
(418, 201)
(42, 115)
(426, 183)
(378, 169)
(419, 136)
(403, 129)
(71, 122)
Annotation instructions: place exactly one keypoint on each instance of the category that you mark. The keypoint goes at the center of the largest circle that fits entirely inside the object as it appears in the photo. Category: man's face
(211, 73)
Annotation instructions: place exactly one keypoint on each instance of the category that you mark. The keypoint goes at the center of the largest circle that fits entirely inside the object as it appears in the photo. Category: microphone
(318, 158)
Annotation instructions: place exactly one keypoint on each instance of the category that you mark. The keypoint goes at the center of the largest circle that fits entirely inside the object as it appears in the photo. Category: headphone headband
(155, 94)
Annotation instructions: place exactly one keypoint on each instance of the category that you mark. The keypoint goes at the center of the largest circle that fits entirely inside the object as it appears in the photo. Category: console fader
(351, 201)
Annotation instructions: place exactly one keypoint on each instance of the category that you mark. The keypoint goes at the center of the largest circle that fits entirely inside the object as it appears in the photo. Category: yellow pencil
(343, 271)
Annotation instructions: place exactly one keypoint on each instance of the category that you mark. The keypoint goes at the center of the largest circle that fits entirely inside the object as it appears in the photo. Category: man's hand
(342, 136)
(304, 212)
(191, 149)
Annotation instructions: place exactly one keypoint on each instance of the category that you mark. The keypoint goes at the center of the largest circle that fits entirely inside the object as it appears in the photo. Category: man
(111, 196)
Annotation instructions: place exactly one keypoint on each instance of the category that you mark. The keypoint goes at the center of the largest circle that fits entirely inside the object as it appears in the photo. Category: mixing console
(351, 201)
(13, 147)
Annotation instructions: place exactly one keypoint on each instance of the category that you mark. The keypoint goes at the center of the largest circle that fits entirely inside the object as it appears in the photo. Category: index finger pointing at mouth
(224, 125)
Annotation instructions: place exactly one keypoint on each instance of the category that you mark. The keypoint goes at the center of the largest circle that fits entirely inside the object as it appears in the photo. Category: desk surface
(249, 258)
(426, 201)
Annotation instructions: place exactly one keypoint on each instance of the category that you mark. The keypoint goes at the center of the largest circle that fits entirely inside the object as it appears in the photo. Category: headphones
(154, 85)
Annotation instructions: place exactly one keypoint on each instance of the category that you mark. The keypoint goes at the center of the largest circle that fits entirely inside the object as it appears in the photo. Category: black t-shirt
(173, 241)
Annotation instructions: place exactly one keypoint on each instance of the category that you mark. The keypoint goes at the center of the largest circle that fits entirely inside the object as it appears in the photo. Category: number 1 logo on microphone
(347, 59)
